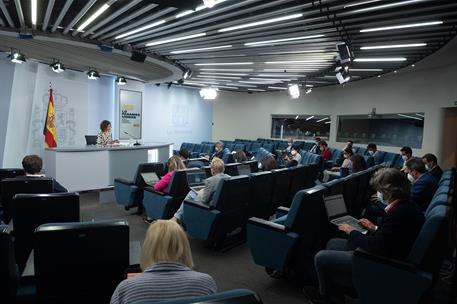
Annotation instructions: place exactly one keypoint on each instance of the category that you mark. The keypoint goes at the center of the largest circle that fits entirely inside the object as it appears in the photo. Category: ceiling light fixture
(228, 70)
(34, 12)
(217, 77)
(57, 67)
(299, 62)
(379, 59)
(402, 26)
(366, 70)
(208, 93)
(328, 122)
(187, 74)
(290, 70)
(378, 7)
(209, 3)
(201, 49)
(281, 74)
(412, 117)
(224, 63)
(321, 120)
(256, 90)
(267, 21)
(203, 6)
(308, 90)
(93, 75)
(361, 3)
(100, 11)
(185, 13)
(140, 29)
(309, 118)
(392, 46)
(17, 57)
(258, 43)
(120, 81)
(294, 91)
(278, 88)
(175, 39)
(223, 74)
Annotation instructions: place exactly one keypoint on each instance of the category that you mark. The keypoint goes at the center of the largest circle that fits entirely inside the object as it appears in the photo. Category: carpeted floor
(231, 269)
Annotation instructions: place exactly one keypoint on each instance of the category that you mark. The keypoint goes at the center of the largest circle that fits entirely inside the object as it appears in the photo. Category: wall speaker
(138, 56)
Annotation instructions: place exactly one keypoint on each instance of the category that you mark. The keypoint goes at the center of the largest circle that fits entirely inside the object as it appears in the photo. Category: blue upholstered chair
(260, 190)
(261, 154)
(235, 296)
(229, 145)
(129, 193)
(404, 281)
(238, 147)
(391, 159)
(255, 147)
(297, 181)
(307, 145)
(227, 156)
(160, 205)
(288, 244)
(268, 146)
(282, 145)
(281, 187)
(226, 213)
(207, 149)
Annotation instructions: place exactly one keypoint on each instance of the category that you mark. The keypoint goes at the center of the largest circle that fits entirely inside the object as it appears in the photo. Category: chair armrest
(124, 181)
(266, 224)
(150, 189)
(197, 204)
(384, 260)
(281, 211)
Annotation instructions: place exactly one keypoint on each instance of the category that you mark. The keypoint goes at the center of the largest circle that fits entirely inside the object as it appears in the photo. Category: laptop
(244, 169)
(150, 178)
(337, 213)
(91, 140)
(196, 180)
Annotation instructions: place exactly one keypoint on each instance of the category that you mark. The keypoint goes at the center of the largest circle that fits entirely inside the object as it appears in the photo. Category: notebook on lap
(196, 180)
(337, 213)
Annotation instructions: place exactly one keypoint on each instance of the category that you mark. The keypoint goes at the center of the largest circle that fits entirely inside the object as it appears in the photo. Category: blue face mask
(381, 198)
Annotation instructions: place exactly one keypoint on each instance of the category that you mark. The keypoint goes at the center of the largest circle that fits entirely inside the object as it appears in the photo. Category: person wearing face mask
(406, 154)
(335, 172)
(392, 238)
(375, 157)
(218, 151)
(290, 142)
(423, 186)
(295, 158)
(339, 161)
(315, 149)
(431, 165)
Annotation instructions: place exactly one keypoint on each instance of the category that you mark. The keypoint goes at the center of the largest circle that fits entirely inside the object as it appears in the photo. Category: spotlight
(308, 90)
(294, 91)
(57, 67)
(344, 52)
(93, 75)
(16, 57)
(169, 85)
(208, 93)
(342, 74)
(209, 3)
(120, 81)
(187, 74)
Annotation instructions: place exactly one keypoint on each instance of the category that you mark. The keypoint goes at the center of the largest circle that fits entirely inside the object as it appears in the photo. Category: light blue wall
(6, 84)
(176, 115)
(100, 103)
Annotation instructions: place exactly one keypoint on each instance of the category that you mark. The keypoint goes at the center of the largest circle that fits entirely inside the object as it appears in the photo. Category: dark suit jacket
(219, 154)
(436, 172)
(396, 233)
(58, 188)
(422, 191)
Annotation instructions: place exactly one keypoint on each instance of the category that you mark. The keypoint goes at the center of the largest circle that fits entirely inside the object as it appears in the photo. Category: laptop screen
(335, 205)
(244, 170)
(196, 178)
(150, 177)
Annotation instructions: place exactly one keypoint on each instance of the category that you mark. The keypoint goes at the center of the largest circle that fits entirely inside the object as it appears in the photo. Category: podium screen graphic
(130, 103)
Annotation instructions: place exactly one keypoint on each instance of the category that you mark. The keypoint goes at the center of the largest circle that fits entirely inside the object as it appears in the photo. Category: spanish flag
(49, 131)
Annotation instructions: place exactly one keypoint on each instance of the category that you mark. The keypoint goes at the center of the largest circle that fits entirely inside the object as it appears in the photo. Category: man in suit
(375, 156)
(205, 196)
(424, 184)
(394, 238)
(315, 149)
(32, 165)
(431, 164)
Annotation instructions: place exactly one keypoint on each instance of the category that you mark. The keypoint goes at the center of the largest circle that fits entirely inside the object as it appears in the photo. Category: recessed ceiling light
(277, 88)
(408, 116)
(243, 85)
(272, 79)
(361, 3)
(365, 70)
(309, 118)
(34, 11)
(290, 70)
(185, 13)
(392, 46)
(227, 70)
(256, 90)
(260, 82)
(100, 11)
(223, 74)
(217, 77)
(282, 40)
(225, 63)
(379, 59)
(299, 61)
(321, 120)
(175, 39)
(281, 74)
(268, 21)
(401, 26)
(390, 5)
(140, 29)
(201, 49)
(413, 65)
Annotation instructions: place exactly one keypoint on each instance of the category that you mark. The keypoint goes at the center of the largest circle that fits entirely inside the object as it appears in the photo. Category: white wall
(242, 115)
(6, 83)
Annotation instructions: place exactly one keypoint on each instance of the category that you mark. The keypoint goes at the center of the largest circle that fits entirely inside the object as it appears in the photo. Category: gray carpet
(232, 269)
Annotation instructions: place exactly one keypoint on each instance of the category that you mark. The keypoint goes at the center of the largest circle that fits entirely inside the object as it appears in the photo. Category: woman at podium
(105, 137)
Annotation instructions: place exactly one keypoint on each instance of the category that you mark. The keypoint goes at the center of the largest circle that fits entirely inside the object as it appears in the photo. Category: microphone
(132, 137)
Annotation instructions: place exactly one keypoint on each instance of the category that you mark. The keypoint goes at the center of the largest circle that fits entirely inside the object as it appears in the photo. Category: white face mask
(289, 144)
(346, 156)
(404, 157)
(293, 152)
(427, 167)
(410, 177)
(370, 152)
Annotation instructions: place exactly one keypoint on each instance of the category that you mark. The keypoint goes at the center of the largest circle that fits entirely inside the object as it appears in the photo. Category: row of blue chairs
(303, 229)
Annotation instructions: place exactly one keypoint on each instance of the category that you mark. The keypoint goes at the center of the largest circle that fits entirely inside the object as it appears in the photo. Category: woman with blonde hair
(166, 261)
(174, 163)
